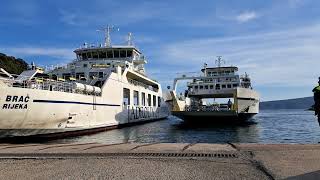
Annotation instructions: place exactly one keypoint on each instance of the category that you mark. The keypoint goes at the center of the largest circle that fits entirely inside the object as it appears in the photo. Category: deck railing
(44, 84)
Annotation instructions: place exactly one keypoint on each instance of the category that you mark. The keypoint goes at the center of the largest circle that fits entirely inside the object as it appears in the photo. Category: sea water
(269, 126)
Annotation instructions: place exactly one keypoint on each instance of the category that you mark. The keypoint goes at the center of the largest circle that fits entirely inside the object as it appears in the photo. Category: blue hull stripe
(72, 102)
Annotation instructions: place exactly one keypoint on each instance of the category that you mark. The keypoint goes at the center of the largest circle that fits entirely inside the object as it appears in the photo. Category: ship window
(206, 87)
(85, 65)
(84, 56)
(100, 74)
(143, 99)
(154, 101)
(129, 53)
(235, 85)
(229, 85)
(93, 75)
(126, 96)
(116, 53)
(195, 87)
(89, 55)
(95, 55)
(109, 54)
(122, 53)
(223, 86)
(66, 76)
(211, 86)
(159, 101)
(135, 97)
(201, 87)
(79, 75)
(149, 99)
(102, 55)
(217, 86)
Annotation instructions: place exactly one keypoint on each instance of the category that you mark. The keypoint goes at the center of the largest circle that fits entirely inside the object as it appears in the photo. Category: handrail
(47, 84)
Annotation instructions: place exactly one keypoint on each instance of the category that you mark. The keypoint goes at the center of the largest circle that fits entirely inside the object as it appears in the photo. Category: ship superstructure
(219, 94)
(106, 86)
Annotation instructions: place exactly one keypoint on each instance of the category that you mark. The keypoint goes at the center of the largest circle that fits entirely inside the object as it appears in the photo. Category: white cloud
(246, 16)
(63, 53)
(126, 13)
(287, 58)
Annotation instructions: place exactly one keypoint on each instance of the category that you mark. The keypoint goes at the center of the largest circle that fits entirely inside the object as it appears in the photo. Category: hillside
(298, 103)
(12, 65)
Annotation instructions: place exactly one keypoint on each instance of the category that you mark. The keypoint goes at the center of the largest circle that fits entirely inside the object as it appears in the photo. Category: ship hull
(18, 135)
(219, 117)
(35, 112)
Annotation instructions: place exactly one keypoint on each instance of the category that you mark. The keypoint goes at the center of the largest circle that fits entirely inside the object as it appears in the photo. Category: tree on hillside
(11, 64)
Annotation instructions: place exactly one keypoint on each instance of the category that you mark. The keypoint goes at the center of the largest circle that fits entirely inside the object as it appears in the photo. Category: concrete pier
(159, 161)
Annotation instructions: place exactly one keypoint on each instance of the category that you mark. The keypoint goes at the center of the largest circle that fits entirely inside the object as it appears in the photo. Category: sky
(277, 42)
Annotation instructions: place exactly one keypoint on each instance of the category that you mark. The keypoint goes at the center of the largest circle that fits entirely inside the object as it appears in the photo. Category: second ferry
(219, 95)
(106, 86)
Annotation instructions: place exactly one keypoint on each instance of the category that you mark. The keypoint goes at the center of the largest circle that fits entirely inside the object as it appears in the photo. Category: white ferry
(218, 95)
(104, 87)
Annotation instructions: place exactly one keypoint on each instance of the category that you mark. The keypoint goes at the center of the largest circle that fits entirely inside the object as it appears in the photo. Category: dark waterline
(269, 126)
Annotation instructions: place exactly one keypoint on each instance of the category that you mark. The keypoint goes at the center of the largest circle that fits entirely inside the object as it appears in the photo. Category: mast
(219, 61)
(129, 39)
(107, 32)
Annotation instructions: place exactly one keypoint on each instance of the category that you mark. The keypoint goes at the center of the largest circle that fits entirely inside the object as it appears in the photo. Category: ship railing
(47, 84)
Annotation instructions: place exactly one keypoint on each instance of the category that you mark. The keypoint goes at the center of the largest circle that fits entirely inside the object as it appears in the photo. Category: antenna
(129, 39)
(219, 61)
(107, 32)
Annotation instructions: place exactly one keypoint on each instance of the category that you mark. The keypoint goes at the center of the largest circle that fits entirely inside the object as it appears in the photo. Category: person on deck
(229, 104)
(316, 96)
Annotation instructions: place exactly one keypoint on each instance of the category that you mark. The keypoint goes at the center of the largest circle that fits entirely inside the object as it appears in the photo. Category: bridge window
(129, 53)
(116, 53)
(206, 87)
(201, 87)
(195, 87)
(83, 56)
(217, 86)
(143, 99)
(235, 85)
(89, 55)
(95, 55)
(154, 101)
(135, 97)
(229, 85)
(102, 55)
(123, 54)
(85, 65)
(109, 54)
(149, 99)
(211, 86)
(223, 86)
(126, 96)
